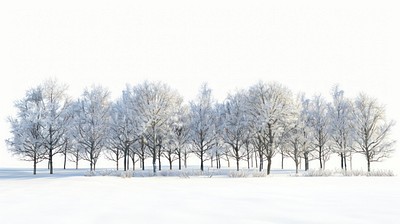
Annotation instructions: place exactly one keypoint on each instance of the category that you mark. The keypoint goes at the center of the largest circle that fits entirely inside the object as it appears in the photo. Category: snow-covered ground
(69, 197)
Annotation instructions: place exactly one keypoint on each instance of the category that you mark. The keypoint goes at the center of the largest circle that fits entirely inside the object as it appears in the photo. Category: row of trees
(150, 121)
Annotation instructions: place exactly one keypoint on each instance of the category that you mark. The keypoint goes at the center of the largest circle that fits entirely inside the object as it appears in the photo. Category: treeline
(150, 121)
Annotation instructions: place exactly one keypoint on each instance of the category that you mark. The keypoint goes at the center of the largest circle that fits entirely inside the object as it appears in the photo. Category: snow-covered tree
(270, 108)
(320, 128)
(123, 132)
(178, 136)
(26, 129)
(91, 123)
(55, 119)
(372, 131)
(235, 126)
(297, 138)
(340, 113)
(155, 104)
(202, 124)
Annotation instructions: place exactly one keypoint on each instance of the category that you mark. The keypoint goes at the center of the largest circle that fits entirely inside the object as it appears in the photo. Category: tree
(235, 125)
(55, 119)
(123, 132)
(91, 122)
(340, 113)
(181, 134)
(154, 105)
(297, 139)
(371, 136)
(202, 124)
(320, 128)
(26, 129)
(270, 108)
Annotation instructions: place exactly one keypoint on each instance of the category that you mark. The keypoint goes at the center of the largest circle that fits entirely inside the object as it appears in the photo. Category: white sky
(306, 45)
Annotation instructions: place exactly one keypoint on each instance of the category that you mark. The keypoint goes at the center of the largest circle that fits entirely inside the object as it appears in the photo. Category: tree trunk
(65, 160)
(154, 163)
(269, 160)
(320, 158)
(283, 157)
(133, 161)
(306, 162)
(51, 160)
(351, 161)
(248, 160)
(256, 159)
(159, 160)
(76, 163)
(369, 164)
(341, 161)
(261, 162)
(125, 156)
(201, 162)
(179, 160)
(229, 162)
(185, 160)
(170, 164)
(34, 165)
(142, 161)
(237, 163)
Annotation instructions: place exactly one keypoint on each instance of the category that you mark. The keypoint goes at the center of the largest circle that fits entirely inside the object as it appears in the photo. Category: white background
(306, 45)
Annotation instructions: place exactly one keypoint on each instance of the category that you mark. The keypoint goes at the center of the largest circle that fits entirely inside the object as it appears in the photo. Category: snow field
(274, 199)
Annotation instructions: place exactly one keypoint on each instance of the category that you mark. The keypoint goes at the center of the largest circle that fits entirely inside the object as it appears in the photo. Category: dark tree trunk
(212, 160)
(283, 157)
(51, 160)
(125, 158)
(341, 161)
(306, 162)
(248, 161)
(269, 160)
(76, 163)
(91, 160)
(179, 160)
(65, 160)
(369, 164)
(170, 163)
(201, 162)
(142, 161)
(261, 162)
(159, 159)
(34, 165)
(217, 157)
(154, 163)
(320, 157)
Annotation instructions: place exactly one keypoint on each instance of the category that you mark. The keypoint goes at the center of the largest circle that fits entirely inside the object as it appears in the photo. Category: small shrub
(259, 174)
(318, 173)
(90, 173)
(380, 173)
(127, 174)
(238, 174)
